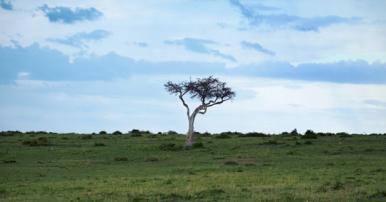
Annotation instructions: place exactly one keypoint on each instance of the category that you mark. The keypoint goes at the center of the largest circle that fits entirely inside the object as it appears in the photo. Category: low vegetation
(231, 166)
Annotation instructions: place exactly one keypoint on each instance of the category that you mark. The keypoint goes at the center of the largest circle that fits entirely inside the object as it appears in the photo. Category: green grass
(147, 168)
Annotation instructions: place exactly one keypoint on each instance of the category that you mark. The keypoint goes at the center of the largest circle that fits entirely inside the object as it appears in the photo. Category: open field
(43, 167)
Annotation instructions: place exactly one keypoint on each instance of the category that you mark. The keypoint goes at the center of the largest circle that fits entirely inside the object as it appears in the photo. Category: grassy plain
(61, 167)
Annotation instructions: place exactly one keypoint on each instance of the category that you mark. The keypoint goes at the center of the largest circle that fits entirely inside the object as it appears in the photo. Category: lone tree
(209, 91)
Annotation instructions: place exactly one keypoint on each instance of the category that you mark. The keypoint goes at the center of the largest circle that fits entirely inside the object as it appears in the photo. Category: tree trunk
(190, 134)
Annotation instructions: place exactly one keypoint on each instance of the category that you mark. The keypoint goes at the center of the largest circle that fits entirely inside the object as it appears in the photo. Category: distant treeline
(136, 132)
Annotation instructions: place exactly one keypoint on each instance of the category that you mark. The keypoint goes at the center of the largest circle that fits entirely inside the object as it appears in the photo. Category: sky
(91, 65)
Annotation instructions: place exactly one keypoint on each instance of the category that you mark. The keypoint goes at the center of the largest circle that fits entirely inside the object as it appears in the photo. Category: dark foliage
(294, 132)
(222, 136)
(102, 132)
(139, 133)
(9, 161)
(171, 132)
(197, 145)
(208, 90)
(231, 163)
(121, 159)
(169, 147)
(10, 133)
(271, 142)
(99, 144)
(253, 134)
(41, 141)
(309, 135)
(117, 132)
(86, 137)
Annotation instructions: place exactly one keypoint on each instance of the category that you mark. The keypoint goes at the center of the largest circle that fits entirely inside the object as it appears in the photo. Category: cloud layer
(200, 46)
(46, 64)
(79, 40)
(67, 15)
(6, 5)
(257, 47)
(255, 18)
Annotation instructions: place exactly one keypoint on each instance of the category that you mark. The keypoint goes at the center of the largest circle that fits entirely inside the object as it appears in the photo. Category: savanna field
(226, 167)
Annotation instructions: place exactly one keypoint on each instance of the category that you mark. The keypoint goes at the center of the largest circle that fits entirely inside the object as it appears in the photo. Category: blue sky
(86, 66)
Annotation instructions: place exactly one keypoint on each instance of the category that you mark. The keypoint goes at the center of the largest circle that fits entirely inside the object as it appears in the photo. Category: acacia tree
(209, 91)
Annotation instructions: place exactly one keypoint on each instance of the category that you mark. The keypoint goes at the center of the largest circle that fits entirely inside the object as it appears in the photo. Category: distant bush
(343, 134)
(135, 133)
(121, 159)
(170, 147)
(294, 132)
(229, 133)
(102, 132)
(99, 144)
(253, 134)
(309, 135)
(171, 132)
(285, 133)
(10, 133)
(41, 141)
(205, 134)
(117, 132)
(324, 134)
(222, 136)
(271, 142)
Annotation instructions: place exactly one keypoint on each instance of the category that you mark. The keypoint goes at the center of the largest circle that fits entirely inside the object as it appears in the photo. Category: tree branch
(184, 103)
(203, 110)
(219, 102)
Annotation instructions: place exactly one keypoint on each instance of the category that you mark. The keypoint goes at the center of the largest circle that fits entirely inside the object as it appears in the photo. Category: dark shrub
(41, 141)
(307, 142)
(205, 134)
(198, 145)
(285, 133)
(10, 133)
(222, 136)
(135, 133)
(121, 159)
(117, 132)
(152, 159)
(9, 161)
(271, 142)
(253, 134)
(231, 163)
(343, 134)
(103, 132)
(171, 132)
(290, 153)
(310, 135)
(337, 185)
(169, 147)
(378, 195)
(86, 137)
(99, 144)
(294, 132)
